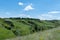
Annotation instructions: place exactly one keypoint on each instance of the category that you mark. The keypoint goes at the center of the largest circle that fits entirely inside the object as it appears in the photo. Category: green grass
(27, 28)
(52, 34)
(4, 33)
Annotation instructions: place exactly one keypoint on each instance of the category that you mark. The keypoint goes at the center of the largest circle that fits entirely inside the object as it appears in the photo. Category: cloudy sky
(42, 9)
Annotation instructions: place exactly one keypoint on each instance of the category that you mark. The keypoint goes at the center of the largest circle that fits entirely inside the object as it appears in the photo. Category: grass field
(52, 34)
(29, 29)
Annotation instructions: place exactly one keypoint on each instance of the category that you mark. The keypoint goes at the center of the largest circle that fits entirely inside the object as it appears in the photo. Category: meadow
(29, 29)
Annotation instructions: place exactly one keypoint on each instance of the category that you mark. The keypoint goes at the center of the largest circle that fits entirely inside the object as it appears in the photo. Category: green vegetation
(4, 33)
(14, 27)
(51, 34)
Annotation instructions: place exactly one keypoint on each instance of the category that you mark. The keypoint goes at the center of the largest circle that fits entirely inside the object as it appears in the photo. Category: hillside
(14, 27)
(51, 34)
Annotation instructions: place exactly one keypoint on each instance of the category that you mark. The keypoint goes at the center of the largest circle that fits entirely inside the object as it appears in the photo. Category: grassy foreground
(52, 34)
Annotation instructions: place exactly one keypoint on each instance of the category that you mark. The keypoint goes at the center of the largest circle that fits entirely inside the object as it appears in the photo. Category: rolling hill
(14, 27)
(51, 34)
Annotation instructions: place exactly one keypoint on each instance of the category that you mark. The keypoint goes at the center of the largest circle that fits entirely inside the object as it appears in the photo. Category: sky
(40, 9)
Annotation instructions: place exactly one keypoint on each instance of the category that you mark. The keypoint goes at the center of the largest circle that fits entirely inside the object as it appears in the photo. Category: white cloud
(45, 16)
(20, 3)
(50, 15)
(28, 7)
(54, 12)
(24, 15)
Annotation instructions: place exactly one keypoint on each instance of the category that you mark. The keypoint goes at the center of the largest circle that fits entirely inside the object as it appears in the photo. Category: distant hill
(12, 27)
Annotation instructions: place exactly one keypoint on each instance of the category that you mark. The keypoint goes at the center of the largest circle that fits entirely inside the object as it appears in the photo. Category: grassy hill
(14, 27)
(51, 34)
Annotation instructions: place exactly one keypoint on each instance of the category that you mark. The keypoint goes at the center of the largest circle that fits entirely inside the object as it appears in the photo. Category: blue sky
(42, 9)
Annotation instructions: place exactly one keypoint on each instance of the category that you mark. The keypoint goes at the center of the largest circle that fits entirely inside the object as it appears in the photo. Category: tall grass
(52, 34)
